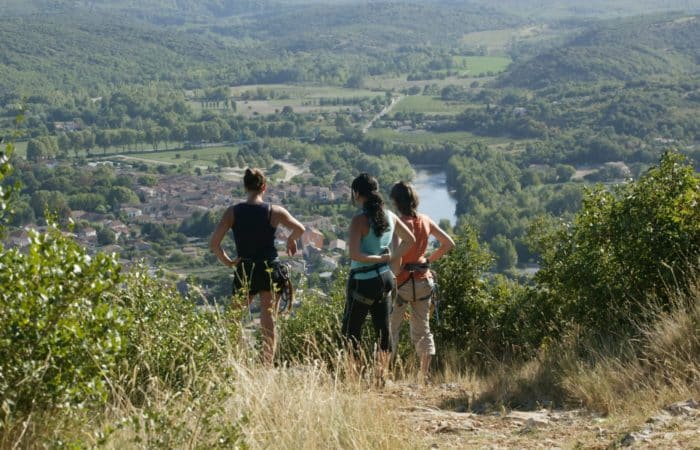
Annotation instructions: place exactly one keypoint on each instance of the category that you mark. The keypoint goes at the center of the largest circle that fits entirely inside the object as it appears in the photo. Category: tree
(119, 195)
(88, 141)
(626, 246)
(36, 150)
(506, 256)
(105, 236)
(103, 139)
(44, 147)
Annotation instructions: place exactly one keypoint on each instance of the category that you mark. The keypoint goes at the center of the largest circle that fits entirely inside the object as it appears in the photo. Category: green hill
(75, 45)
(622, 51)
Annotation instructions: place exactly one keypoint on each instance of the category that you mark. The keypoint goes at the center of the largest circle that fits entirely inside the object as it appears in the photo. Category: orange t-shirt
(420, 227)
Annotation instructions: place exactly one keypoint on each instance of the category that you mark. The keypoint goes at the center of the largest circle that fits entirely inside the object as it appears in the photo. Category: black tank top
(253, 233)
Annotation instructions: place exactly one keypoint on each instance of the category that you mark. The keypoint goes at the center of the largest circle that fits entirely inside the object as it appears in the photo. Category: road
(381, 113)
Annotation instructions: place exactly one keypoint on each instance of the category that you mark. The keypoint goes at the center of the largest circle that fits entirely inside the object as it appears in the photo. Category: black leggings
(369, 296)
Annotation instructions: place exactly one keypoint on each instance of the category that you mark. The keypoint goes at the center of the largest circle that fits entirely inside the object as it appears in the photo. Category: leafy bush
(168, 338)
(485, 320)
(313, 330)
(60, 329)
(627, 245)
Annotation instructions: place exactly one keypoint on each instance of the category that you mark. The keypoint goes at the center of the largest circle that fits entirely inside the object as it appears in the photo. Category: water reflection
(435, 199)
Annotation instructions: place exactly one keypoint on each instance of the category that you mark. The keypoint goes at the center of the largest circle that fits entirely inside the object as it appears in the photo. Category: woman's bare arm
(446, 242)
(224, 225)
(288, 221)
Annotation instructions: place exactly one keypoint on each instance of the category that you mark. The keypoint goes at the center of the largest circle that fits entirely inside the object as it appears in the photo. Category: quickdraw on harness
(286, 287)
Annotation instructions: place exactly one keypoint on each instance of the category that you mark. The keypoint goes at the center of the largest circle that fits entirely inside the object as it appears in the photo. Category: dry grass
(661, 367)
(301, 407)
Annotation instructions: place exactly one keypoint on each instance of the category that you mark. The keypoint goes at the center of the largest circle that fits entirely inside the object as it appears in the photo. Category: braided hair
(367, 186)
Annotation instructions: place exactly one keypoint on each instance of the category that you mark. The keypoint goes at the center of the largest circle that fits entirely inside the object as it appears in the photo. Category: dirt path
(444, 416)
(386, 110)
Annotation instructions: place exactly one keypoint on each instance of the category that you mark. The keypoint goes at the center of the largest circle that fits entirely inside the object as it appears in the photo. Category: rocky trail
(445, 417)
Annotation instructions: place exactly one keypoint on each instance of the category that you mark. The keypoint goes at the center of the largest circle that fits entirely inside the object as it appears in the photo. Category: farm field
(199, 156)
(302, 99)
(483, 64)
(21, 149)
(427, 105)
(304, 91)
(251, 108)
(400, 83)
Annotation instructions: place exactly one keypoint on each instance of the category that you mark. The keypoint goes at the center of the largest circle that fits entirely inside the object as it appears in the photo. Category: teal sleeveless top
(375, 245)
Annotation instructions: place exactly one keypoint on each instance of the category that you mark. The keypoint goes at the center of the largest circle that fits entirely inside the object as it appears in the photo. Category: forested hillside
(593, 8)
(622, 51)
(195, 45)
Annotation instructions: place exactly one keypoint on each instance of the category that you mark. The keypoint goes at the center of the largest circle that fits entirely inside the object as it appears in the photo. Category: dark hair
(253, 180)
(367, 186)
(406, 198)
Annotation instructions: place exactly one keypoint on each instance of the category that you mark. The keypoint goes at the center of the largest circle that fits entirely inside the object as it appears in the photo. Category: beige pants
(421, 337)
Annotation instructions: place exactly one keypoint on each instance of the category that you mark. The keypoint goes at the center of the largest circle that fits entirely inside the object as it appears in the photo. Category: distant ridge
(624, 51)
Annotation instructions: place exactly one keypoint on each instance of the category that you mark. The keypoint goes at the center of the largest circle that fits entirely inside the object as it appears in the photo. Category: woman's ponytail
(367, 186)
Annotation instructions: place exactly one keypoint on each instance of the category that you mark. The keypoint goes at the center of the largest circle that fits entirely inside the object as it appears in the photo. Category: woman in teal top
(371, 282)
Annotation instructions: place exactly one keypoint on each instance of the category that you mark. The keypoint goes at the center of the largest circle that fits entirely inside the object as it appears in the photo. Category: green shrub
(629, 244)
(61, 332)
(168, 339)
(465, 310)
(313, 330)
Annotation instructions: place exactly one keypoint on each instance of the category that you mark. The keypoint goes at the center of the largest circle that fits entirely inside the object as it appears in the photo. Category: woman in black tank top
(254, 224)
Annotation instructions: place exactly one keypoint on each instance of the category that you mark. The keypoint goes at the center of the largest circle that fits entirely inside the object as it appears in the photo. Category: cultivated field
(303, 99)
(427, 105)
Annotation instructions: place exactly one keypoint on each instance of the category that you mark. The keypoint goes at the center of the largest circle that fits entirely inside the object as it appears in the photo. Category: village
(175, 198)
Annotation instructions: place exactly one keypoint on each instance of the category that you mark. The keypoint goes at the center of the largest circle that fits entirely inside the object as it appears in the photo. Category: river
(435, 199)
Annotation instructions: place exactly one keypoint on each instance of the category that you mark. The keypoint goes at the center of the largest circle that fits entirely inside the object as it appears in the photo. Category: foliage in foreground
(61, 332)
(77, 334)
(634, 243)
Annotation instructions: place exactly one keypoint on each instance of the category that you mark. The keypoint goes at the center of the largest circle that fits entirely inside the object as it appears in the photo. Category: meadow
(426, 104)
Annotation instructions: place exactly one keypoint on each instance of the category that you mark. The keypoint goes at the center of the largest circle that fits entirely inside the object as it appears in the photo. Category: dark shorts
(373, 296)
(257, 277)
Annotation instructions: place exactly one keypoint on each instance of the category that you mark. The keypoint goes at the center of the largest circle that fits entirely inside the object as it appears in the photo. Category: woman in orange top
(414, 279)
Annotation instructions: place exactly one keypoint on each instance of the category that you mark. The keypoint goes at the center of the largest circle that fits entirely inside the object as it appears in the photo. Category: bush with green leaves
(168, 338)
(313, 330)
(75, 330)
(633, 242)
(485, 318)
(464, 308)
(61, 331)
